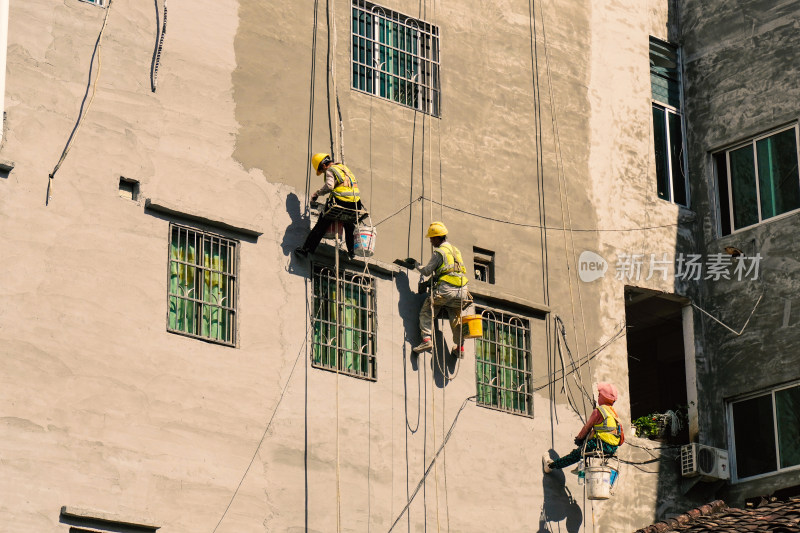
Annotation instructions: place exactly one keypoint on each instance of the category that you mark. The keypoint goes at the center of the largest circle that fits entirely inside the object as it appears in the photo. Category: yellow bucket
(471, 326)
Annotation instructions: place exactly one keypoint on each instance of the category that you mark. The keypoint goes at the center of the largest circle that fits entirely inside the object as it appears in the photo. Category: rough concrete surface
(545, 117)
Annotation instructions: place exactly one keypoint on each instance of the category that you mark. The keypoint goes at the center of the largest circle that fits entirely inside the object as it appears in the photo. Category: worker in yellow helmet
(603, 429)
(449, 277)
(342, 185)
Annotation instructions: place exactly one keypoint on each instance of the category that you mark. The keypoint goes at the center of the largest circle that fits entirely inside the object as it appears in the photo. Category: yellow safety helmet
(436, 229)
(317, 160)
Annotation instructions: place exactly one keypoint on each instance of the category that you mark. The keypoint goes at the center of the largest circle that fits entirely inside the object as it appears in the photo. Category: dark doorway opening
(656, 359)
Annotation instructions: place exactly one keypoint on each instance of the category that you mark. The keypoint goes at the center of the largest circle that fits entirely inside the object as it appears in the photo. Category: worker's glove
(413, 262)
(578, 441)
(314, 197)
(422, 287)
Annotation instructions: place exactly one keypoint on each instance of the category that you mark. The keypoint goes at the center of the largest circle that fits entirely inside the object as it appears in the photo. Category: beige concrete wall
(103, 409)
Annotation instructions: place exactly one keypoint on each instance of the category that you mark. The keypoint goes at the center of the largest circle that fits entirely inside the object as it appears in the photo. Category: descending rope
(159, 47)
(81, 113)
(433, 461)
(269, 423)
(311, 106)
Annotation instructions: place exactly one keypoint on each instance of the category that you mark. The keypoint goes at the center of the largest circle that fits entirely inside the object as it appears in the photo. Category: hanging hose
(159, 47)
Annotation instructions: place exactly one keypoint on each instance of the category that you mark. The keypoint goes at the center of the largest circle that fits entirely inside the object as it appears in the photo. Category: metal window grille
(344, 325)
(202, 293)
(503, 362)
(395, 57)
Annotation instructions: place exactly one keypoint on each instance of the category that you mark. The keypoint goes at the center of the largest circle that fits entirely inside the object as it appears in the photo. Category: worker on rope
(602, 429)
(448, 274)
(342, 185)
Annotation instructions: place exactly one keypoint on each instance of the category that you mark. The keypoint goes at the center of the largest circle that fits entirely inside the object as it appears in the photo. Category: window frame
(732, 436)
(431, 105)
(669, 108)
(482, 309)
(233, 281)
(752, 141)
(347, 275)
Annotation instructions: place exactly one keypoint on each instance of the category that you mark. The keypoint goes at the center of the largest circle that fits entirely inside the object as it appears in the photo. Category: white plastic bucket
(334, 228)
(598, 482)
(365, 237)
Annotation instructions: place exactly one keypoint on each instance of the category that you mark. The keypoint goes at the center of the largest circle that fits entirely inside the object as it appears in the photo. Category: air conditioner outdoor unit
(710, 463)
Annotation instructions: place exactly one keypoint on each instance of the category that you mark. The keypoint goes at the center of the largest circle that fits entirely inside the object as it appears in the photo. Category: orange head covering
(606, 393)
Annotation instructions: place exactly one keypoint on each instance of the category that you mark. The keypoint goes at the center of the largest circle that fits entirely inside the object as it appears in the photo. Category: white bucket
(334, 228)
(365, 237)
(598, 482)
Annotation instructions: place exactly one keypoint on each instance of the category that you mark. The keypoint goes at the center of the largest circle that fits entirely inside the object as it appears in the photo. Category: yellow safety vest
(452, 269)
(346, 186)
(608, 429)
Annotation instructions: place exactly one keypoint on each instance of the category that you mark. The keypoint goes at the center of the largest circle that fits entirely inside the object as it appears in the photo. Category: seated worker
(603, 430)
(343, 186)
(449, 289)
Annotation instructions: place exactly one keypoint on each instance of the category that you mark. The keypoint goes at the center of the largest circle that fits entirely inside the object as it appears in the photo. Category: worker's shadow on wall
(295, 233)
(408, 305)
(443, 361)
(558, 502)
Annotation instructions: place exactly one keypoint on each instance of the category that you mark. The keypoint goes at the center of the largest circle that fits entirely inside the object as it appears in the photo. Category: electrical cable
(428, 470)
(81, 113)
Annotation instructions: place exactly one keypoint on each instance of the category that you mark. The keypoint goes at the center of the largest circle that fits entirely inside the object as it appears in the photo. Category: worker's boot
(424, 346)
(546, 462)
(458, 351)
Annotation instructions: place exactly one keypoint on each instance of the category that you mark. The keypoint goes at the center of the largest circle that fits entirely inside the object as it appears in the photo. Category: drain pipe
(3, 52)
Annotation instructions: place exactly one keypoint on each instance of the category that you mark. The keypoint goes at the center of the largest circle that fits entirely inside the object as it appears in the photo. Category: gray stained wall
(105, 410)
(741, 81)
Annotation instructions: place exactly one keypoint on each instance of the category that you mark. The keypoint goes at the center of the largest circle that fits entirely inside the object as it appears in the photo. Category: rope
(549, 228)
(338, 355)
(159, 46)
(311, 105)
(433, 461)
(269, 423)
(81, 113)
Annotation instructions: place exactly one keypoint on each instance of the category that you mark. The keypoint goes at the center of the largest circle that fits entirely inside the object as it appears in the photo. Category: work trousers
(318, 231)
(575, 455)
(450, 298)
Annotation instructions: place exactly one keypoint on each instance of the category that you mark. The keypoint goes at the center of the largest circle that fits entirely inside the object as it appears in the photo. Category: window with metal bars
(201, 298)
(344, 322)
(503, 362)
(395, 57)
(665, 85)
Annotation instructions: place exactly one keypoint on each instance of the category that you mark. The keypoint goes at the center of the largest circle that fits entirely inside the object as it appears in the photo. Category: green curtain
(351, 337)
(501, 359)
(197, 297)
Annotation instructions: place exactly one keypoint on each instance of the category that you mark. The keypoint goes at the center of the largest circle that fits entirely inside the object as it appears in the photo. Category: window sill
(486, 291)
(161, 206)
(742, 231)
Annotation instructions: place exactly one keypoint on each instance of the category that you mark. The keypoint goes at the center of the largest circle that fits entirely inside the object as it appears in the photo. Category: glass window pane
(660, 147)
(722, 192)
(777, 174)
(743, 183)
(754, 435)
(787, 407)
(676, 157)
